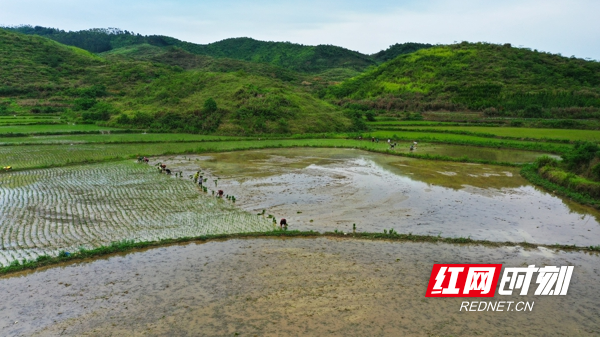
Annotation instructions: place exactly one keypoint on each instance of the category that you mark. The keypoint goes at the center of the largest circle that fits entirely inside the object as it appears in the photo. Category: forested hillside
(335, 62)
(497, 79)
(399, 49)
(42, 76)
(312, 59)
(162, 83)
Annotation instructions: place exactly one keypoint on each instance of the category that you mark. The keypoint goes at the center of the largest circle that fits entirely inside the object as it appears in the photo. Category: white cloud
(558, 26)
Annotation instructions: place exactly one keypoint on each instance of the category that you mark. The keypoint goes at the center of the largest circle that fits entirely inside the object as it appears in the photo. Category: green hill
(498, 79)
(399, 49)
(37, 68)
(175, 56)
(41, 75)
(297, 57)
(332, 63)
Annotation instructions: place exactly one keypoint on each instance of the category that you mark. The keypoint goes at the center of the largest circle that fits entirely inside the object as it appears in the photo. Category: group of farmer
(144, 160)
(162, 168)
(7, 168)
(198, 178)
(413, 146)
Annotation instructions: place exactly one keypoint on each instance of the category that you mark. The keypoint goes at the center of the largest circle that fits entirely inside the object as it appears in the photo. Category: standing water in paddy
(328, 189)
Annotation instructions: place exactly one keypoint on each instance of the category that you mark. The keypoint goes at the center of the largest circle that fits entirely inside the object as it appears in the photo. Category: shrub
(533, 111)
(370, 116)
(596, 171)
(546, 161)
(516, 123)
(581, 155)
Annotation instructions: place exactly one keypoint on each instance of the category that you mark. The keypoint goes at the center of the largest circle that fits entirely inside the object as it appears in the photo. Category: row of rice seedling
(24, 157)
(43, 212)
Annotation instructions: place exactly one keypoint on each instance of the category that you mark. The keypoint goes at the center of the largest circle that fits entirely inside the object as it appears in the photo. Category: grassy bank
(126, 246)
(530, 172)
(535, 134)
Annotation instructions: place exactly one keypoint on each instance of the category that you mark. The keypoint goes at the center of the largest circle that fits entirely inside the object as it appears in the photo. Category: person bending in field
(220, 194)
(283, 223)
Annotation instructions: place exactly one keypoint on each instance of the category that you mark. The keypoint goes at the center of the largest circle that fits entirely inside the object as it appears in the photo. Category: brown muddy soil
(288, 287)
(329, 189)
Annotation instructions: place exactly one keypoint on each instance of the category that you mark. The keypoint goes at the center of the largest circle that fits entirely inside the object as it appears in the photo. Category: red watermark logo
(480, 280)
(463, 280)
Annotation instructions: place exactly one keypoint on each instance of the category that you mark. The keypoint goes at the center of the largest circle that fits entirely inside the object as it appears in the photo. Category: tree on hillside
(210, 105)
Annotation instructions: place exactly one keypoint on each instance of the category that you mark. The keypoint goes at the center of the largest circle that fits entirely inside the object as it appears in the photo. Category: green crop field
(113, 138)
(468, 140)
(60, 128)
(45, 211)
(589, 135)
(380, 122)
(29, 120)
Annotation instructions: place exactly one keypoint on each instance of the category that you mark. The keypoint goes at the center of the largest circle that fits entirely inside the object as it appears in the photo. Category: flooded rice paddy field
(45, 211)
(48, 155)
(291, 287)
(328, 189)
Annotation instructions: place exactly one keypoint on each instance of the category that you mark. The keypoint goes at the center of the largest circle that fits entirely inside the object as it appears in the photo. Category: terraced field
(112, 138)
(52, 128)
(537, 133)
(25, 120)
(45, 211)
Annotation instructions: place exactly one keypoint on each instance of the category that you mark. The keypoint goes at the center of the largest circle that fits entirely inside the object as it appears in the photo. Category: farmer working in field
(283, 223)
(196, 177)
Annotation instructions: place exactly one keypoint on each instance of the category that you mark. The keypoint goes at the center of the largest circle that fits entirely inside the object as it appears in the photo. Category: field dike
(391, 235)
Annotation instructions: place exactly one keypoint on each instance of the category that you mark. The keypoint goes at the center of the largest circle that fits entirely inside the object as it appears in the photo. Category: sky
(558, 26)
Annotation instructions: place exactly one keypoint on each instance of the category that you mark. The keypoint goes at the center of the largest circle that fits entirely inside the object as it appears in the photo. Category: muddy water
(484, 153)
(292, 287)
(328, 189)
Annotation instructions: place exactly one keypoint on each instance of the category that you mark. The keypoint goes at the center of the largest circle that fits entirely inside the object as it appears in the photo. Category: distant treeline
(297, 57)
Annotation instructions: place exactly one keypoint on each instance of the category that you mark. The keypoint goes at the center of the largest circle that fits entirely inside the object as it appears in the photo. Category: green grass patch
(523, 133)
(53, 128)
(530, 172)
